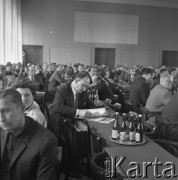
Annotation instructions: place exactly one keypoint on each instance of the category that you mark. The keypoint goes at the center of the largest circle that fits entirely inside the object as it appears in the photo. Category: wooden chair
(148, 114)
(165, 129)
(99, 163)
(75, 147)
(97, 142)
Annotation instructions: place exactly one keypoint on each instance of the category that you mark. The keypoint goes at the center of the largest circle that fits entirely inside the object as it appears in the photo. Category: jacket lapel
(21, 146)
(70, 95)
(3, 141)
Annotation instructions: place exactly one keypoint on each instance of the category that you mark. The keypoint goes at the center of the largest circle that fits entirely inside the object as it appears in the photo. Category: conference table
(147, 160)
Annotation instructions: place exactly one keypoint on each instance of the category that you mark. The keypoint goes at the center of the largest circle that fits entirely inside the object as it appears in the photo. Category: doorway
(170, 58)
(33, 54)
(105, 56)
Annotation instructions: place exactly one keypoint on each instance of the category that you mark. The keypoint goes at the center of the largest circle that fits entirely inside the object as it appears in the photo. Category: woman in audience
(27, 91)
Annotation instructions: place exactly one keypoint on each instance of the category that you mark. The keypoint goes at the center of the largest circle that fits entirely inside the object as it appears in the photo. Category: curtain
(10, 31)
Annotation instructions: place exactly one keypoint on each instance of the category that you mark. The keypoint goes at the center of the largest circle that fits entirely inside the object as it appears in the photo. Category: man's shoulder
(38, 130)
(138, 81)
(64, 87)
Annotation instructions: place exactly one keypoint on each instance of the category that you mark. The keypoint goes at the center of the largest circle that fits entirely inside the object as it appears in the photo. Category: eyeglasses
(84, 85)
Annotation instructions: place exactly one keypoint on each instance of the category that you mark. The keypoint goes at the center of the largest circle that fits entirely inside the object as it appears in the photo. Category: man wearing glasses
(70, 102)
(71, 98)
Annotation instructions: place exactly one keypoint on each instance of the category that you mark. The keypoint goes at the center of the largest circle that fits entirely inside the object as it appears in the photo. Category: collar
(74, 93)
(30, 107)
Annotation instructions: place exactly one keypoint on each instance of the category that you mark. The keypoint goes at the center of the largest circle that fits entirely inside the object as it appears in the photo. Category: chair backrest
(97, 142)
(101, 169)
(77, 142)
(149, 114)
(166, 130)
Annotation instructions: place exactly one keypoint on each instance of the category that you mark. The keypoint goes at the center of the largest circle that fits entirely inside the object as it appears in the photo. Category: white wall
(158, 30)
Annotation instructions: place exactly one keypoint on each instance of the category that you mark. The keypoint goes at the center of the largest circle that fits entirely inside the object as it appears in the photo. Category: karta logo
(114, 168)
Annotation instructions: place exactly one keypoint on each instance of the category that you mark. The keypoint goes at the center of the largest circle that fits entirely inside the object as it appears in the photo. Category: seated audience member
(71, 101)
(171, 113)
(104, 91)
(48, 72)
(75, 68)
(157, 73)
(38, 72)
(93, 71)
(69, 75)
(3, 79)
(71, 98)
(32, 109)
(156, 81)
(28, 150)
(130, 76)
(9, 70)
(109, 73)
(122, 74)
(56, 78)
(160, 95)
(81, 68)
(45, 66)
(170, 110)
(37, 79)
(139, 90)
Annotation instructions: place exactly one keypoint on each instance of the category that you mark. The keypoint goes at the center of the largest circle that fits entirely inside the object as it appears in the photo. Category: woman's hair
(24, 83)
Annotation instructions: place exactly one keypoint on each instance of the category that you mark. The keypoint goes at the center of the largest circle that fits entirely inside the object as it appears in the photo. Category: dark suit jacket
(56, 76)
(39, 78)
(35, 154)
(154, 83)
(64, 101)
(38, 81)
(139, 91)
(104, 91)
(170, 111)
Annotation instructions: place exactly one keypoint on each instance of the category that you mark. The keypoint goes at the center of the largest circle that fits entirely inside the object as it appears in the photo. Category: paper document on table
(106, 120)
(98, 112)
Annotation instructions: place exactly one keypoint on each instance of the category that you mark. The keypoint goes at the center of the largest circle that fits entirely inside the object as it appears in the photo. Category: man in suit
(71, 98)
(28, 150)
(70, 102)
(56, 79)
(139, 90)
(37, 79)
(156, 81)
(104, 91)
(160, 94)
(170, 110)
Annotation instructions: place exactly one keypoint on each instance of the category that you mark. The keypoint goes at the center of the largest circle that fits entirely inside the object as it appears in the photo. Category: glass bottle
(123, 131)
(115, 128)
(139, 130)
(131, 129)
(96, 99)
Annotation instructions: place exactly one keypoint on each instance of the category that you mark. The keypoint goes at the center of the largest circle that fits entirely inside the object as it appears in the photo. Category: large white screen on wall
(106, 28)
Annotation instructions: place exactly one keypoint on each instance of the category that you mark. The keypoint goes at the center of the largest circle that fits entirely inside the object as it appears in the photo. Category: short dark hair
(15, 96)
(146, 71)
(163, 70)
(24, 83)
(83, 74)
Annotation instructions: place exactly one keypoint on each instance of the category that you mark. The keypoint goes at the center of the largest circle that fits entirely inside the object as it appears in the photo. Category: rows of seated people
(149, 87)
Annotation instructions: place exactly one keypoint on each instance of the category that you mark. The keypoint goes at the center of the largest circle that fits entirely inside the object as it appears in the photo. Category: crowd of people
(29, 149)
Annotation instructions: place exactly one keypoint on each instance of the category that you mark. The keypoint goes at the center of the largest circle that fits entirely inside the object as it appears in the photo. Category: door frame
(99, 47)
(38, 46)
